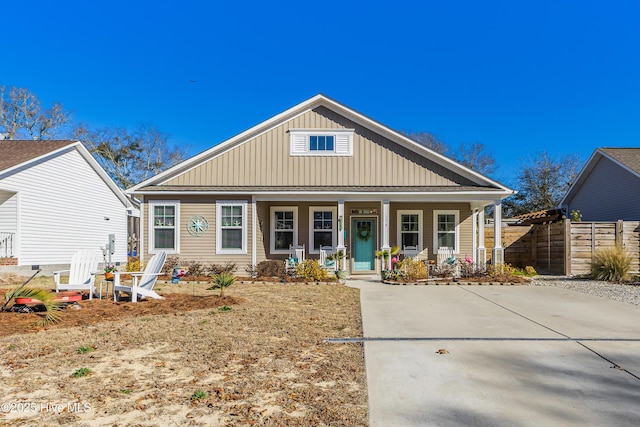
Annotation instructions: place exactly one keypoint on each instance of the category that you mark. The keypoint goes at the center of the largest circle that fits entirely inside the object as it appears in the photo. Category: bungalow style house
(605, 187)
(55, 199)
(316, 174)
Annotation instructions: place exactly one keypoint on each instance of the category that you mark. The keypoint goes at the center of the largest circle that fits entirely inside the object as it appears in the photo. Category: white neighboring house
(55, 199)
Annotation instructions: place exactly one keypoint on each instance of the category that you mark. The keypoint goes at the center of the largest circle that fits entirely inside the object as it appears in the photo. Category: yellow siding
(265, 160)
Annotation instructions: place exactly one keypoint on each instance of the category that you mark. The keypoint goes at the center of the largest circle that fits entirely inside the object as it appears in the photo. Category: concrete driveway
(517, 356)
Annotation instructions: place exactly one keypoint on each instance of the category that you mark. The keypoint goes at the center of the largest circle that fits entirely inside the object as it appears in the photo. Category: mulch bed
(95, 311)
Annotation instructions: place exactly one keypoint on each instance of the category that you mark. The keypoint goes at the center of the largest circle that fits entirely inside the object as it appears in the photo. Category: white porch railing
(7, 245)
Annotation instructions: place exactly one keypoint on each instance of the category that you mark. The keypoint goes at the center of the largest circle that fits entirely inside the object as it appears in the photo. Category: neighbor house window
(164, 230)
(231, 227)
(284, 228)
(322, 230)
(446, 230)
(321, 142)
(410, 229)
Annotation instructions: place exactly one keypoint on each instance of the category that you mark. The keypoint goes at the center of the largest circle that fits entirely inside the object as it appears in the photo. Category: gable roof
(627, 158)
(15, 154)
(477, 180)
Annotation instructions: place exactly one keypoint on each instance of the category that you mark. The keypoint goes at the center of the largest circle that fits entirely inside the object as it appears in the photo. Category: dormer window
(321, 142)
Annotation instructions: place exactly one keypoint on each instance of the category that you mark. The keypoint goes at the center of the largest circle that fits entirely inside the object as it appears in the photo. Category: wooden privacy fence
(566, 247)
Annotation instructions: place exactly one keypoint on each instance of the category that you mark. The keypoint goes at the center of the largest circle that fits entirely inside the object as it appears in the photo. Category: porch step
(9, 261)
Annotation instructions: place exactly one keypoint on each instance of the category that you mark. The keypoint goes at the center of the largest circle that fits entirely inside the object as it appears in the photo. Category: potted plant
(109, 269)
(385, 254)
(340, 273)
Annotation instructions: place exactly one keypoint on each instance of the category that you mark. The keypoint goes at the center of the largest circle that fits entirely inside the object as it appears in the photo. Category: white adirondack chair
(82, 273)
(327, 264)
(143, 282)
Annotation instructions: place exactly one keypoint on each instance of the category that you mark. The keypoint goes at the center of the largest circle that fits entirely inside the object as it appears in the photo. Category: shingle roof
(15, 152)
(630, 157)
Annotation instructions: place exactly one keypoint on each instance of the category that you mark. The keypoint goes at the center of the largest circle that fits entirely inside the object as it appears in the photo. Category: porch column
(474, 235)
(481, 258)
(341, 220)
(254, 228)
(385, 230)
(497, 257)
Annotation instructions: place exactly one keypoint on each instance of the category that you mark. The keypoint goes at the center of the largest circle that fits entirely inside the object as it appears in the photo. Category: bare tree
(22, 116)
(542, 183)
(128, 156)
(428, 140)
(473, 156)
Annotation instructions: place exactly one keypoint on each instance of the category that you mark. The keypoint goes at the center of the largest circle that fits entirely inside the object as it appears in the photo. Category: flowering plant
(110, 268)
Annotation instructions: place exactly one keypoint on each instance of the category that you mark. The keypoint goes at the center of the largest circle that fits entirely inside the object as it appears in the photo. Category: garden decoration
(364, 231)
(178, 273)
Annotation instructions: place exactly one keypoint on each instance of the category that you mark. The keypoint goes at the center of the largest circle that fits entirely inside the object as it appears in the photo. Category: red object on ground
(60, 296)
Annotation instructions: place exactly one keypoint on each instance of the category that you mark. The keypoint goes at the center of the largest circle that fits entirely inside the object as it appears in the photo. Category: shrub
(610, 264)
(271, 268)
(414, 269)
(171, 262)
(311, 270)
(133, 264)
(227, 267)
(251, 270)
(222, 281)
(195, 268)
(530, 271)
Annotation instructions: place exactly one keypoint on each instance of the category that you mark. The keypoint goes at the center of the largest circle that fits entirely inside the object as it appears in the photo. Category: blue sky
(518, 77)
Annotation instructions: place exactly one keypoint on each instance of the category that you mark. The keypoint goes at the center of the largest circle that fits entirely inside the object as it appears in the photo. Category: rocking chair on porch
(296, 256)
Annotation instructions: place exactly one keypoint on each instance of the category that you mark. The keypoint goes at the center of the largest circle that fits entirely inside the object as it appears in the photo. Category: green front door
(363, 243)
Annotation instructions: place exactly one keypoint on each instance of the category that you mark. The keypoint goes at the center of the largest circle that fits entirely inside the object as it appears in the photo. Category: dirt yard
(257, 357)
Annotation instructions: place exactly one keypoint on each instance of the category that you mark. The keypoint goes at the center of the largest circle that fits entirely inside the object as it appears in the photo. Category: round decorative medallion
(197, 225)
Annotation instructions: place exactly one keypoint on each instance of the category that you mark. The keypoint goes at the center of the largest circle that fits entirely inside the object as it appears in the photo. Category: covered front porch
(8, 226)
(359, 228)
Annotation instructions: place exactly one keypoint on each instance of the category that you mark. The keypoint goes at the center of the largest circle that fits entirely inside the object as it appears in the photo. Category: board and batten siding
(8, 212)
(609, 193)
(62, 209)
(265, 161)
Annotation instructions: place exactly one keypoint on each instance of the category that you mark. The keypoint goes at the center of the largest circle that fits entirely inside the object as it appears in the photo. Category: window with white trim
(446, 230)
(231, 227)
(164, 230)
(322, 228)
(321, 142)
(284, 228)
(410, 228)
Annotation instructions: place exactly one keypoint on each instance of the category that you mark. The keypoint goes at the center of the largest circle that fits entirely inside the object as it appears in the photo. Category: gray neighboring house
(608, 186)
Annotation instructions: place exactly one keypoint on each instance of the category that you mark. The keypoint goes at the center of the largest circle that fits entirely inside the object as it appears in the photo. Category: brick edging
(449, 283)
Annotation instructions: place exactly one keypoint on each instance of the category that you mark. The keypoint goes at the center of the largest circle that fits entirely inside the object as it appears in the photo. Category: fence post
(619, 234)
(567, 247)
(534, 246)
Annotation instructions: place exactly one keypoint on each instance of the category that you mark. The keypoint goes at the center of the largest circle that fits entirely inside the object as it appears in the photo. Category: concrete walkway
(517, 356)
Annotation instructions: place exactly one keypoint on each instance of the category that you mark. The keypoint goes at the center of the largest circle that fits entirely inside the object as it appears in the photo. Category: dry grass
(264, 362)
